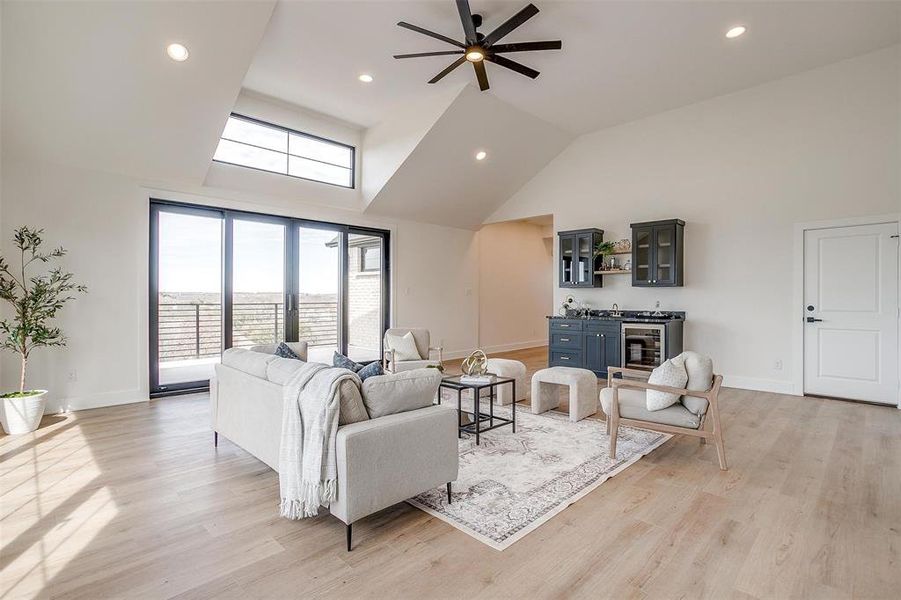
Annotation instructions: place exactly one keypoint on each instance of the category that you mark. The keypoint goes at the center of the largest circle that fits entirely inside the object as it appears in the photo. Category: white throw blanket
(307, 472)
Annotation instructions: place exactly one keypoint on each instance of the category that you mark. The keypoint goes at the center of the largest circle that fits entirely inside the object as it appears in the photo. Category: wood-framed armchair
(623, 401)
(422, 337)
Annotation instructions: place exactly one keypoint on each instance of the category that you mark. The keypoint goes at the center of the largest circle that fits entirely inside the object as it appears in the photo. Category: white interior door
(851, 312)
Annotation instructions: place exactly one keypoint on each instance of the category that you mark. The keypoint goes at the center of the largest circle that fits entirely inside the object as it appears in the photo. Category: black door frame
(292, 256)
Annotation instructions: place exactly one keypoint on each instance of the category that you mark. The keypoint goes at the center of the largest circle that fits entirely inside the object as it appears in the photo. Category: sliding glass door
(221, 279)
(258, 282)
(319, 296)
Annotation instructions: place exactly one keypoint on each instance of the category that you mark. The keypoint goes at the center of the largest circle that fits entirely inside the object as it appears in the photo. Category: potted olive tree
(36, 299)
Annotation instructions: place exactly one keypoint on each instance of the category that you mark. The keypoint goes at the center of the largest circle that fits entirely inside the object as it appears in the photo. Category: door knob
(813, 320)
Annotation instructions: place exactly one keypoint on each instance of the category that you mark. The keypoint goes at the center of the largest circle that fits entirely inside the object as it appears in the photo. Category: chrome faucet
(657, 312)
(615, 312)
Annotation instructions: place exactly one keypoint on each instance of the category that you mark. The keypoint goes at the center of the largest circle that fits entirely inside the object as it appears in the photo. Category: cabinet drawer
(566, 340)
(562, 325)
(606, 327)
(565, 358)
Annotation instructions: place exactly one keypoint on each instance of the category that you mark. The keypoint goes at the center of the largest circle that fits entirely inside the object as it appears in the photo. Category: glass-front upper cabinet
(657, 253)
(578, 260)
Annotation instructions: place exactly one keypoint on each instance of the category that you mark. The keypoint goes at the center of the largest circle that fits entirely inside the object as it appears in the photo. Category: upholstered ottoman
(583, 391)
(504, 367)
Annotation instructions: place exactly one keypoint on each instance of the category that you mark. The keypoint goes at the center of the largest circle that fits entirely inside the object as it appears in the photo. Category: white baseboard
(104, 399)
(498, 348)
(775, 386)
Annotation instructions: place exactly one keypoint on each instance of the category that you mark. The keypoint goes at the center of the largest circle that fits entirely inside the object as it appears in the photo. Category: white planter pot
(22, 415)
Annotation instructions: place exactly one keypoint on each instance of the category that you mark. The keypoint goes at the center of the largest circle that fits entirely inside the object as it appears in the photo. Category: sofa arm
(386, 460)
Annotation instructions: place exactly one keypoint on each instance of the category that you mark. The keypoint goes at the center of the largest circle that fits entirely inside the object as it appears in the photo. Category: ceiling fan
(478, 47)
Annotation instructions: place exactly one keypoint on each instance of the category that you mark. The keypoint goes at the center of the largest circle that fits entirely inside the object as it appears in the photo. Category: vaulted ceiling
(621, 60)
(88, 83)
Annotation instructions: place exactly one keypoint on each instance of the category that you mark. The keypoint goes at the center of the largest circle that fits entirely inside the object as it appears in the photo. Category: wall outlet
(777, 365)
(73, 376)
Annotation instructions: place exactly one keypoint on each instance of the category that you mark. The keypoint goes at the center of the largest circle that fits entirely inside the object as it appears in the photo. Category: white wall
(740, 170)
(515, 262)
(102, 220)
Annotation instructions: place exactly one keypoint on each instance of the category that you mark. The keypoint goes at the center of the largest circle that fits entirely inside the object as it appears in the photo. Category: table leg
(475, 409)
(459, 413)
(491, 406)
(513, 383)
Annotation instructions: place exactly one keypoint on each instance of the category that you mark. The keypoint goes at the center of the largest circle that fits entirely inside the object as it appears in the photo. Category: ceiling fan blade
(528, 46)
(469, 27)
(512, 65)
(481, 74)
(450, 68)
(510, 24)
(437, 36)
(419, 54)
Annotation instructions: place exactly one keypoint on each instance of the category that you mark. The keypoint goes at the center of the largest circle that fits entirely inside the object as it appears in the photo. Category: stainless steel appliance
(643, 345)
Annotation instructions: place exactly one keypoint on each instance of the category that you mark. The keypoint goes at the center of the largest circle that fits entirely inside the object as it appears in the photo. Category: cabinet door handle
(564, 358)
(564, 325)
(564, 339)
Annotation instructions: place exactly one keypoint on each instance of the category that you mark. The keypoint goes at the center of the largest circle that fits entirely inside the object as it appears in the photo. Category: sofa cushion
(253, 363)
(632, 406)
(281, 370)
(671, 373)
(700, 378)
(400, 392)
(351, 409)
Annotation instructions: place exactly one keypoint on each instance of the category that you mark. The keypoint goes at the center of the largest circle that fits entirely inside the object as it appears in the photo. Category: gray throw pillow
(363, 371)
(284, 351)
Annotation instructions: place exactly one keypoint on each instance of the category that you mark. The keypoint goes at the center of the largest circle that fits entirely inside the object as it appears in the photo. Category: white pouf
(583, 391)
(505, 367)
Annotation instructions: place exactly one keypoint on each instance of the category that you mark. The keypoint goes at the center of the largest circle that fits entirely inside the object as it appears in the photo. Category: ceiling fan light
(475, 55)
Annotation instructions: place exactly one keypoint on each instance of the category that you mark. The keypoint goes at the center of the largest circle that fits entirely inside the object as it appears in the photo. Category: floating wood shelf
(612, 272)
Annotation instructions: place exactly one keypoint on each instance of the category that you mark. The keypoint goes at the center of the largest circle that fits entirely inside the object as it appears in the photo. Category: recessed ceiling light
(736, 31)
(365, 78)
(475, 54)
(177, 52)
(481, 154)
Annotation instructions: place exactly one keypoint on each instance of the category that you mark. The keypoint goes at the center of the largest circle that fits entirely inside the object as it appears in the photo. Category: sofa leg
(448, 492)
(216, 439)
(349, 532)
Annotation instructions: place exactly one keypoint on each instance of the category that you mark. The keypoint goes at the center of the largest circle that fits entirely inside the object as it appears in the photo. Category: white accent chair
(624, 403)
(582, 384)
(422, 338)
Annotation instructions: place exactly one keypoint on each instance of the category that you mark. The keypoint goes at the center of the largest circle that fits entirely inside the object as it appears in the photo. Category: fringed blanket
(307, 473)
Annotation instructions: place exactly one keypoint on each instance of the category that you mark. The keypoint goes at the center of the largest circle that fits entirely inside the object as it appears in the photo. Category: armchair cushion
(671, 373)
(420, 335)
(403, 346)
(700, 378)
(632, 405)
(400, 392)
(409, 365)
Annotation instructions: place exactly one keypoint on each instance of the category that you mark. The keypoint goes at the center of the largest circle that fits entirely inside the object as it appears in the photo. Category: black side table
(478, 417)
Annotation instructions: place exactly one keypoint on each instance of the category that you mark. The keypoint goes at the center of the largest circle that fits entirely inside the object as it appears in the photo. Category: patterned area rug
(512, 483)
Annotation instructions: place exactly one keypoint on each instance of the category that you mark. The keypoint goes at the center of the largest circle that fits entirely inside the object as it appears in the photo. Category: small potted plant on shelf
(600, 250)
(36, 300)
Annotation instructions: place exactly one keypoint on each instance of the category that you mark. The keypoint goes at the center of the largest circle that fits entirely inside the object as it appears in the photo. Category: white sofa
(381, 461)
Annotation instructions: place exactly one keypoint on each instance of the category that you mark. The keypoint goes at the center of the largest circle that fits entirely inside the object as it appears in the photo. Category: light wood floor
(135, 502)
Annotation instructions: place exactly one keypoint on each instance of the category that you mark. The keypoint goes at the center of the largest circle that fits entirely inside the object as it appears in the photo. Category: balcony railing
(192, 331)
